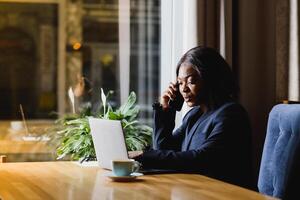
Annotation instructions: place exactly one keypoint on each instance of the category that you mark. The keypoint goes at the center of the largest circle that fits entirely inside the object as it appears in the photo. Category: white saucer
(132, 177)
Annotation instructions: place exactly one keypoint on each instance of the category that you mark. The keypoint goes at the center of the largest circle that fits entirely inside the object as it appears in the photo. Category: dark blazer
(216, 143)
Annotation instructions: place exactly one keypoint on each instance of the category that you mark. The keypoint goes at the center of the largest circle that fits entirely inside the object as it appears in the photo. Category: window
(145, 54)
(46, 45)
(102, 48)
(28, 59)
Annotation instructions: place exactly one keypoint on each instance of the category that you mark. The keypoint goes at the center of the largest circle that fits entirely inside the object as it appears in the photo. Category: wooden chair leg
(2, 159)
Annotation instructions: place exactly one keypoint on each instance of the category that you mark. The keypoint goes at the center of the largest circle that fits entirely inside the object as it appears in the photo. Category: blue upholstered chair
(279, 174)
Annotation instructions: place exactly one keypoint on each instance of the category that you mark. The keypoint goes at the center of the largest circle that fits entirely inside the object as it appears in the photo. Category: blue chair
(279, 174)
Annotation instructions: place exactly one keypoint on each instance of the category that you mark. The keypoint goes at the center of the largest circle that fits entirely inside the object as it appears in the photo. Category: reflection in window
(101, 51)
(145, 51)
(38, 58)
(28, 59)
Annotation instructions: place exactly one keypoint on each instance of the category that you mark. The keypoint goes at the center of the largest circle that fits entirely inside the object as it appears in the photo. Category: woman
(215, 136)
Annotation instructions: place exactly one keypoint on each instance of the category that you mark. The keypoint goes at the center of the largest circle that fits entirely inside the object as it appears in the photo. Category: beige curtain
(215, 29)
(287, 50)
(215, 26)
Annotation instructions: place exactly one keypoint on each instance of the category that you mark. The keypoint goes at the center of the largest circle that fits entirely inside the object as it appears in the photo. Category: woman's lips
(187, 99)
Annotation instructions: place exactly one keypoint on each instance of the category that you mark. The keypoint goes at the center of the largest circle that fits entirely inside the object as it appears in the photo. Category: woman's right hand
(168, 94)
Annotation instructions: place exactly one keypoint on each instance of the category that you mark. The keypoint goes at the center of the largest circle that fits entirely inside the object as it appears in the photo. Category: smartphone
(178, 101)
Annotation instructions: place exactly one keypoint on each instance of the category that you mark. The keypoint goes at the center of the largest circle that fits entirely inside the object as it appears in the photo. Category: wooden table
(68, 180)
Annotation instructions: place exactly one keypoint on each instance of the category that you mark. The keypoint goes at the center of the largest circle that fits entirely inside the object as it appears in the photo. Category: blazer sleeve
(164, 138)
(227, 130)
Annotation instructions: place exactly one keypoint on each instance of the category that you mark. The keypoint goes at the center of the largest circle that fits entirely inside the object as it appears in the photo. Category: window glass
(48, 48)
(145, 54)
(101, 51)
(28, 42)
(28, 38)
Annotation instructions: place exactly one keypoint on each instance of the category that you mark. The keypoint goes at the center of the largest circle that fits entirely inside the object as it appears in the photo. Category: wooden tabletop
(68, 180)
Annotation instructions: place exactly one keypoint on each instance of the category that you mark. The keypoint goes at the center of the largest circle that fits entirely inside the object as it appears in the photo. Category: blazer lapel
(192, 130)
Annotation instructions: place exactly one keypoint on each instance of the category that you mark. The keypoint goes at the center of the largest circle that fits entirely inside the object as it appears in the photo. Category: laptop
(109, 143)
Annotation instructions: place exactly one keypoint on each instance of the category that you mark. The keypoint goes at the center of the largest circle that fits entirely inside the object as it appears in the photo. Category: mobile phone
(178, 101)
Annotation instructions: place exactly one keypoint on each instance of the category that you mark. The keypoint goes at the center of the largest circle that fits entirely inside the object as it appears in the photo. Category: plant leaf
(103, 98)
(128, 104)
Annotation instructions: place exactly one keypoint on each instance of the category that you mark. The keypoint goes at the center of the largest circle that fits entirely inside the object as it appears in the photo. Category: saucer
(131, 177)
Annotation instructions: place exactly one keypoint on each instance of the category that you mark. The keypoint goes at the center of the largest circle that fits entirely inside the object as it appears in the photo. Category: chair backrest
(279, 169)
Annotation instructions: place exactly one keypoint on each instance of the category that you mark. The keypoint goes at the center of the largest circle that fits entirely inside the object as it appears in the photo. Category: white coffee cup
(16, 125)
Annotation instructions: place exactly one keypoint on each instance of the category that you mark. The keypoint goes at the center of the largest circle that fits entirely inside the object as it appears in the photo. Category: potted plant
(73, 133)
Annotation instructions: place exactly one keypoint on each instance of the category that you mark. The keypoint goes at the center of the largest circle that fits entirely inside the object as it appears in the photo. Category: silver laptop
(109, 141)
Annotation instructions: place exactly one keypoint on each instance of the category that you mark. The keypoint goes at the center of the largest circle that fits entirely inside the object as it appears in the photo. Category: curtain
(287, 50)
(215, 26)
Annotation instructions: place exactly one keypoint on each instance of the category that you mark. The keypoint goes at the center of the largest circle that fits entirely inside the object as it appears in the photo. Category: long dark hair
(218, 79)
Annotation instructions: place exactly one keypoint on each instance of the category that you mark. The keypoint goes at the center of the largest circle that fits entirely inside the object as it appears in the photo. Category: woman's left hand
(134, 154)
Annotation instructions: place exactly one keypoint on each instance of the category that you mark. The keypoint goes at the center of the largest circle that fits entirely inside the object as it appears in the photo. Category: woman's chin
(190, 104)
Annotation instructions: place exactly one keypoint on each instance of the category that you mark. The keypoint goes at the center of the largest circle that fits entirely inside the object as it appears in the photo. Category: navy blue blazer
(216, 143)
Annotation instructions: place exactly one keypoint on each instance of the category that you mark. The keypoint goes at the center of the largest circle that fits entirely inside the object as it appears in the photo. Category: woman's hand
(134, 154)
(169, 94)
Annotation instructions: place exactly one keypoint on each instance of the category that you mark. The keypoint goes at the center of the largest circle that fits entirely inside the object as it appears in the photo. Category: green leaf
(128, 104)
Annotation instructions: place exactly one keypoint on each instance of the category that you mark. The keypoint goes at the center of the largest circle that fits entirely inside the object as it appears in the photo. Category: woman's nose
(184, 88)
